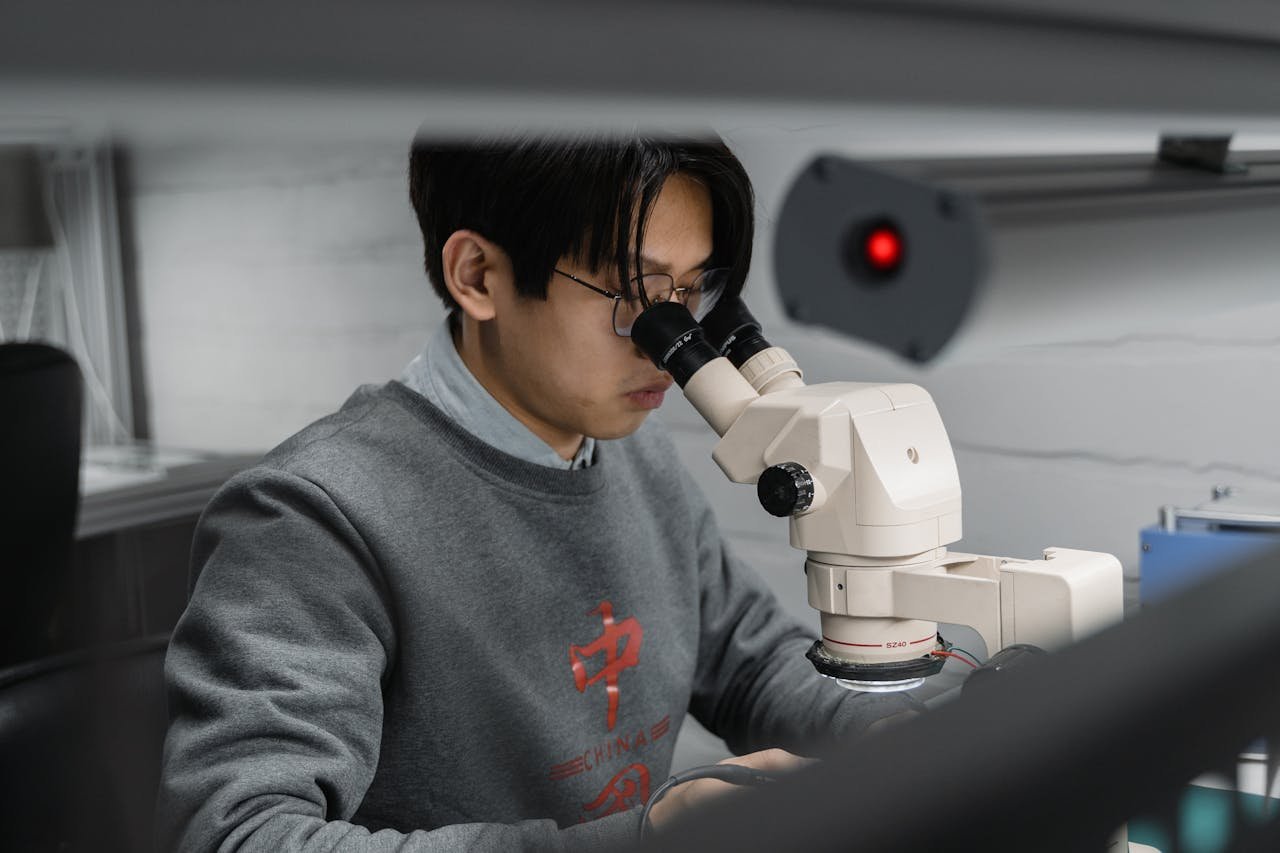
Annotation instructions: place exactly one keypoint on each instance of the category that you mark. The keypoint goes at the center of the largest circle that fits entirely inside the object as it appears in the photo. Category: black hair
(542, 198)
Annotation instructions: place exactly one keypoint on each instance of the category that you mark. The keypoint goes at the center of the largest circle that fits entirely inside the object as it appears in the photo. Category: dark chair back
(81, 736)
(40, 406)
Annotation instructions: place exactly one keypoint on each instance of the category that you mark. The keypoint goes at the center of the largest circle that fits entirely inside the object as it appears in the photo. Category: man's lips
(650, 396)
(654, 387)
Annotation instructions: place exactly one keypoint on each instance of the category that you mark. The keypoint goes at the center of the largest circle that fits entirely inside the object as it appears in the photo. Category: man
(470, 609)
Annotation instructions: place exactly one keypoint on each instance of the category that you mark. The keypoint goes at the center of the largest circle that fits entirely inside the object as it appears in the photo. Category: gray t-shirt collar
(439, 374)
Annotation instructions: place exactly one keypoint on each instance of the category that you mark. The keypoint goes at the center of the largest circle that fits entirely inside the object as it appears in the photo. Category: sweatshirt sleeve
(754, 686)
(274, 678)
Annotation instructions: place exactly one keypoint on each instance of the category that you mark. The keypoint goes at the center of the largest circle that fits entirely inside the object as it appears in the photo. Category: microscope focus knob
(785, 489)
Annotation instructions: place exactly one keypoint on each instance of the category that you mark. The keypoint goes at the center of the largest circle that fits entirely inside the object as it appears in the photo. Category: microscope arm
(1047, 603)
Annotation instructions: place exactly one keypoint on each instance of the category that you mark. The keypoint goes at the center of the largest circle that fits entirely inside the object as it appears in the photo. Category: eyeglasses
(699, 297)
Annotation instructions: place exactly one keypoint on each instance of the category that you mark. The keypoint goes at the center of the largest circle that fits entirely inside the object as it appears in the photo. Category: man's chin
(621, 428)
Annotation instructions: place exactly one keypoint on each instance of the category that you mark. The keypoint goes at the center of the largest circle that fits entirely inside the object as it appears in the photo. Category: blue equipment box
(1190, 544)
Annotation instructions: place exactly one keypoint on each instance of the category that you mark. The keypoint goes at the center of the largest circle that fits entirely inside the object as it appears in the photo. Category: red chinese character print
(619, 642)
(627, 789)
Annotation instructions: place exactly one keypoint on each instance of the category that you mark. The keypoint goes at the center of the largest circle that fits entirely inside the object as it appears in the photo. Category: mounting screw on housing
(785, 489)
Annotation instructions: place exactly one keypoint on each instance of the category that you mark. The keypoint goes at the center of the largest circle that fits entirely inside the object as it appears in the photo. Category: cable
(962, 651)
(734, 774)
(957, 657)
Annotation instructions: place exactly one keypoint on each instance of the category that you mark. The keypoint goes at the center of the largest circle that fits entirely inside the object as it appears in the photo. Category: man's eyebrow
(659, 266)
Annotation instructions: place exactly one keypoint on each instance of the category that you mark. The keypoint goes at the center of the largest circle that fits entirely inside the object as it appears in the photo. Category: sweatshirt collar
(439, 374)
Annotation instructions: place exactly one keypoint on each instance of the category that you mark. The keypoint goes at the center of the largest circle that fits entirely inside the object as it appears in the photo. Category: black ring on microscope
(920, 667)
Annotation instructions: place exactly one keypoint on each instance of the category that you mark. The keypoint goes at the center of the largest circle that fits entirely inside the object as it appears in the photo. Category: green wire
(976, 662)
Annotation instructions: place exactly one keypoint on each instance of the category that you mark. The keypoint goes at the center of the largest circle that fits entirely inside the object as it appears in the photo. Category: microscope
(866, 474)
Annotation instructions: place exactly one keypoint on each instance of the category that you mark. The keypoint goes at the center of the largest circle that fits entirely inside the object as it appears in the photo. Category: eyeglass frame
(618, 297)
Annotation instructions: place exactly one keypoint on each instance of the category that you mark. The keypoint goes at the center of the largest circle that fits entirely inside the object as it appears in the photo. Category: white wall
(275, 278)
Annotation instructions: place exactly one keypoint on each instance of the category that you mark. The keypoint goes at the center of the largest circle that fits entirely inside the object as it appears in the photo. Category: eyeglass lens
(699, 297)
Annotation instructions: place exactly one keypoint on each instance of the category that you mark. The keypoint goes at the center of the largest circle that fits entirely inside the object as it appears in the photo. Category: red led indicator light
(883, 248)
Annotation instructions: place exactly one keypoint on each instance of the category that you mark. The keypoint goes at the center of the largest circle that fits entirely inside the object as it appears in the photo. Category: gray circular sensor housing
(913, 309)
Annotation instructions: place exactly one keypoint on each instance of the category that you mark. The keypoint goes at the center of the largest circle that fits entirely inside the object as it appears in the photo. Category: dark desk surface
(132, 486)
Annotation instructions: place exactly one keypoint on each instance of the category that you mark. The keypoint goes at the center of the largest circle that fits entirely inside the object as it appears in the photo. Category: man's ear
(473, 268)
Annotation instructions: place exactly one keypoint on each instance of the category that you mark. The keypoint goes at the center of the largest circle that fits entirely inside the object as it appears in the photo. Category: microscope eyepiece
(673, 340)
(733, 331)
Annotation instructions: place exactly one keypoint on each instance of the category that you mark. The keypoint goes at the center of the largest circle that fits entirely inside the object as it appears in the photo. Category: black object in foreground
(1053, 756)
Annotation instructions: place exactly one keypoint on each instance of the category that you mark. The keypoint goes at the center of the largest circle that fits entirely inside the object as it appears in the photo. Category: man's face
(559, 367)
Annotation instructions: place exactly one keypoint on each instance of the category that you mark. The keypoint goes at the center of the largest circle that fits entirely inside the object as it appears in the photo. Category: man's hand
(775, 762)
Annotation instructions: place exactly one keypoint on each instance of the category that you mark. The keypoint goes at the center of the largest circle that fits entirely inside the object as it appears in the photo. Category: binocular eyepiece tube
(733, 331)
(676, 343)
(673, 340)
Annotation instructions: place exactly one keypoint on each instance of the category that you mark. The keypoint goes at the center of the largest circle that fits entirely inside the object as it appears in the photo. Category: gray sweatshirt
(401, 638)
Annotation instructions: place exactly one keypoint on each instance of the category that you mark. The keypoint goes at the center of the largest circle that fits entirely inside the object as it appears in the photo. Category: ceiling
(934, 75)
